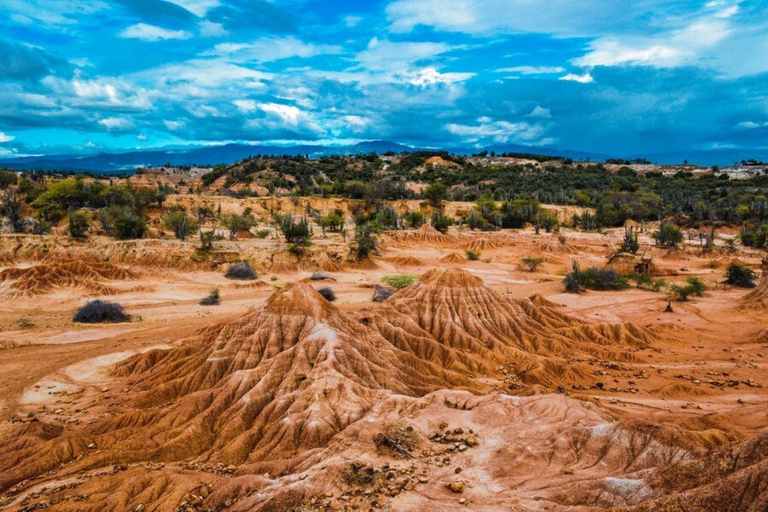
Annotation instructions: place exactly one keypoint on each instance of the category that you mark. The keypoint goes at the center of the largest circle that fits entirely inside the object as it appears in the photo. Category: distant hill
(127, 162)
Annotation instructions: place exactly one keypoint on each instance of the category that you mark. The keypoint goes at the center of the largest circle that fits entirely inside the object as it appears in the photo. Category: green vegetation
(594, 279)
(122, 222)
(740, 275)
(181, 224)
(441, 222)
(400, 281)
(297, 234)
(471, 255)
(236, 223)
(693, 287)
(630, 243)
(79, 224)
(212, 299)
(531, 264)
(648, 282)
(668, 235)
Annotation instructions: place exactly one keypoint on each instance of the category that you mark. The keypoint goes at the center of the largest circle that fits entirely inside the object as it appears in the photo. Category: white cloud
(141, 137)
(586, 78)
(4, 137)
(751, 125)
(395, 56)
(431, 76)
(532, 70)
(152, 33)
(287, 113)
(101, 92)
(540, 112)
(174, 125)
(352, 21)
(245, 106)
(500, 132)
(196, 7)
(211, 29)
(116, 123)
(269, 49)
(559, 17)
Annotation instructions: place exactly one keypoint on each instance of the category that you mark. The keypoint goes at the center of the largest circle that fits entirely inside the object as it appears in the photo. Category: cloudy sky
(612, 76)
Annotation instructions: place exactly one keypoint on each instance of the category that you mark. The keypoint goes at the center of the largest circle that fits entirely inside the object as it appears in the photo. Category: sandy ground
(704, 374)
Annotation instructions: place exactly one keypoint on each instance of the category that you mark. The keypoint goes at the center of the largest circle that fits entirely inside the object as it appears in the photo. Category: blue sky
(621, 77)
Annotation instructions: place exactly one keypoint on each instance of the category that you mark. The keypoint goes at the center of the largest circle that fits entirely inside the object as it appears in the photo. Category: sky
(619, 77)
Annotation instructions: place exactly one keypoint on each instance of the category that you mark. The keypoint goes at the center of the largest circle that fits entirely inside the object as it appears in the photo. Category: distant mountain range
(127, 162)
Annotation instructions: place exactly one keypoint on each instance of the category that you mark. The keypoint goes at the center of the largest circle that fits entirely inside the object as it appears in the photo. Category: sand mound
(405, 261)
(425, 234)
(54, 272)
(627, 264)
(332, 266)
(558, 244)
(486, 242)
(735, 479)
(261, 392)
(453, 257)
(450, 317)
(757, 299)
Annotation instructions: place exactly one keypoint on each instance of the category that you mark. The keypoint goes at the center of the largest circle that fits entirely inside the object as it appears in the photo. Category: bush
(398, 282)
(79, 223)
(181, 224)
(96, 312)
(212, 299)
(10, 207)
(7, 178)
(297, 234)
(532, 264)
(647, 282)
(122, 222)
(236, 223)
(693, 287)
(262, 234)
(242, 271)
(594, 279)
(334, 221)
(472, 256)
(630, 243)
(365, 242)
(738, 275)
(668, 235)
(327, 293)
(414, 219)
(441, 222)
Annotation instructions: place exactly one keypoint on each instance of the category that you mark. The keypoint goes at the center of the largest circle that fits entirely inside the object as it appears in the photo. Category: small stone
(423, 479)
(456, 487)
(462, 501)
(462, 447)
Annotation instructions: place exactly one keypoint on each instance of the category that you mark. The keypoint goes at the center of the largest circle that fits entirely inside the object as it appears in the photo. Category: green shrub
(79, 223)
(472, 256)
(212, 299)
(693, 287)
(531, 264)
(122, 222)
(400, 281)
(648, 282)
(7, 179)
(181, 224)
(668, 235)
(236, 223)
(262, 233)
(415, 219)
(739, 275)
(334, 221)
(441, 222)
(594, 279)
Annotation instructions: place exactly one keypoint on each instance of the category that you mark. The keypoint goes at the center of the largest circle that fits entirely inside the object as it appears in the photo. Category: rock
(455, 487)
(423, 479)
(462, 447)
(382, 293)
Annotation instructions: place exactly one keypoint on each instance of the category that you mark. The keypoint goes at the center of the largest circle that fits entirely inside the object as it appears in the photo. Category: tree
(236, 223)
(297, 234)
(122, 222)
(10, 207)
(181, 224)
(441, 222)
(79, 223)
(739, 275)
(436, 193)
(7, 179)
(668, 235)
(630, 243)
(532, 264)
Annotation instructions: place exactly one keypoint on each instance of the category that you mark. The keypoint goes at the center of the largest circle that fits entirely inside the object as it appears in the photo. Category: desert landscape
(384, 255)
(228, 360)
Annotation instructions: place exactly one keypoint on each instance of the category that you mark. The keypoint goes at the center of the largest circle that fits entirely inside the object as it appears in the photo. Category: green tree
(181, 224)
(79, 223)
